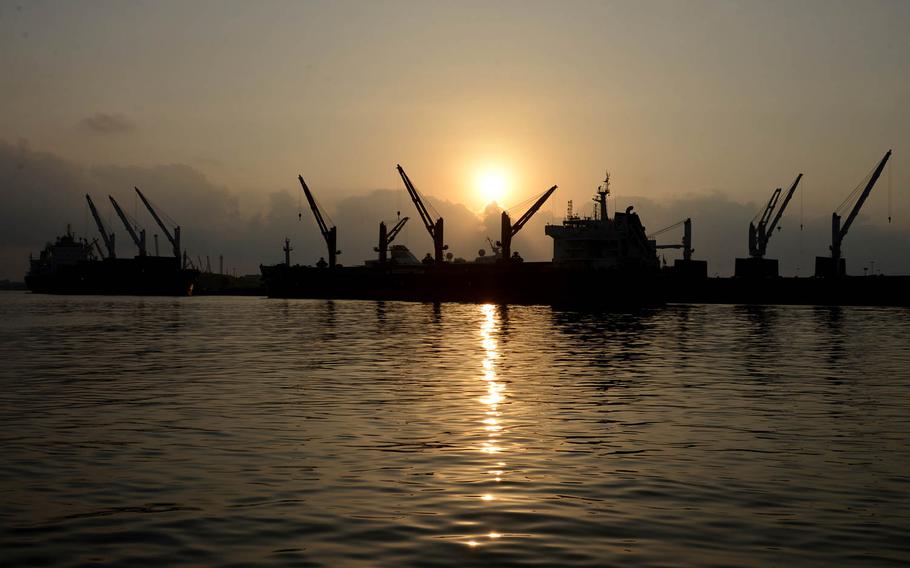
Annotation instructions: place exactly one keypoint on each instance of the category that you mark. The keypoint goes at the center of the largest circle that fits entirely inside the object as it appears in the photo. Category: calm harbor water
(242, 431)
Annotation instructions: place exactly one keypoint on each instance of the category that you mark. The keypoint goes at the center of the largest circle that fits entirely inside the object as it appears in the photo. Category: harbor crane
(760, 234)
(756, 266)
(835, 264)
(435, 228)
(509, 230)
(386, 237)
(130, 225)
(686, 244)
(173, 237)
(330, 234)
(98, 248)
(108, 238)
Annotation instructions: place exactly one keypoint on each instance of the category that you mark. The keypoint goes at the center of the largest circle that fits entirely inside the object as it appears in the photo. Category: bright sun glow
(492, 184)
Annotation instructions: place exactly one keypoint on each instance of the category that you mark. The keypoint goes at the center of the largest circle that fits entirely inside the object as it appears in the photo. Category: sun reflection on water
(492, 423)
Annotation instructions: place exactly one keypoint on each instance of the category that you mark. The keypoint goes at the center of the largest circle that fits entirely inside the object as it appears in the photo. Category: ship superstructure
(603, 242)
(66, 251)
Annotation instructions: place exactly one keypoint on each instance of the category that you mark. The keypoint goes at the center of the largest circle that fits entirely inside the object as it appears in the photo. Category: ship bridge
(601, 241)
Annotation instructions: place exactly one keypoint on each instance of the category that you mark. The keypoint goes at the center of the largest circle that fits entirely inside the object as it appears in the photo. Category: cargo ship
(601, 260)
(71, 266)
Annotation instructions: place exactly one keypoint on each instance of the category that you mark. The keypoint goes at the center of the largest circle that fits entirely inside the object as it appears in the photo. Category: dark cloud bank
(104, 123)
(42, 193)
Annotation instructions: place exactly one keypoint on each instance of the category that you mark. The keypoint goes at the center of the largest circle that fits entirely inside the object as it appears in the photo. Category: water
(241, 431)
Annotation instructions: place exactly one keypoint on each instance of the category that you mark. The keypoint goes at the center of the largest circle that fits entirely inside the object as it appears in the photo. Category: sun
(492, 184)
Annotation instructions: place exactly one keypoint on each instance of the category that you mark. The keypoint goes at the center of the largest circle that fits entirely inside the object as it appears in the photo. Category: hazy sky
(674, 98)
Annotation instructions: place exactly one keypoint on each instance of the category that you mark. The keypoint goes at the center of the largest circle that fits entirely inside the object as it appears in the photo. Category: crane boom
(532, 210)
(418, 202)
(835, 266)
(173, 237)
(435, 228)
(761, 234)
(386, 237)
(330, 234)
(783, 206)
(138, 239)
(509, 229)
(108, 238)
(758, 233)
(769, 208)
(396, 229)
(862, 198)
(686, 243)
(323, 228)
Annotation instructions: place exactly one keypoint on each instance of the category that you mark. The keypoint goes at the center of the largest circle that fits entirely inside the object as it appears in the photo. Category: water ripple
(242, 431)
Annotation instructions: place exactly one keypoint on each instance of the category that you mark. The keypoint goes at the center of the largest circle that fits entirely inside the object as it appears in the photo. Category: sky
(697, 109)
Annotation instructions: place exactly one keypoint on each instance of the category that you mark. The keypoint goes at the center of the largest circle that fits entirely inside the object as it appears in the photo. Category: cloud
(105, 124)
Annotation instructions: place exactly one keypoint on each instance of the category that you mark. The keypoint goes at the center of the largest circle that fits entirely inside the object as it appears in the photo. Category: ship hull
(140, 276)
(843, 291)
(513, 283)
(551, 284)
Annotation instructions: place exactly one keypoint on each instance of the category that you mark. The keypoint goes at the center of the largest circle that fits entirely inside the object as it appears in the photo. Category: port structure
(509, 229)
(107, 237)
(329, 234)
(835, 265)
(131, 226)
(434, 227)
(174, 237)
(686, 266)
(686, 244)
(756, 265)
(386, 237)
(287, 255)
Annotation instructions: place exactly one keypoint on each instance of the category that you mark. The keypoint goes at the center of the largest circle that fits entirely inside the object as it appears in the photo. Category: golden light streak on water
(492, 423)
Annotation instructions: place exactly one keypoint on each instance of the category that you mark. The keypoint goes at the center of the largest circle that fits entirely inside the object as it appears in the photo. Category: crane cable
(524, 203)
(802, 201)
(325, 214)
(164, 216)
(665, 229)
(855, 193)
(889, 191)
(426, 202)
(521, 204)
